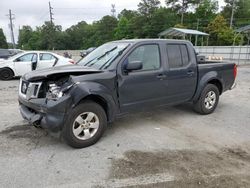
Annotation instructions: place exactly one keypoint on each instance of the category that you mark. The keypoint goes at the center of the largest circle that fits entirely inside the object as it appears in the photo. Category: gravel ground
(172, 147)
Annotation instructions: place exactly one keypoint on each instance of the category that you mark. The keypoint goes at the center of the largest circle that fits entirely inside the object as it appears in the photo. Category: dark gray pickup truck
(116, 78)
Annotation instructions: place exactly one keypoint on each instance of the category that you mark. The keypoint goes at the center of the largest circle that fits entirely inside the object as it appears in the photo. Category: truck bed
(222, 70)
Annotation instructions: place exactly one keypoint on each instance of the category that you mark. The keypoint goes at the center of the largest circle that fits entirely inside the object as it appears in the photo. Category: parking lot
(171, 146)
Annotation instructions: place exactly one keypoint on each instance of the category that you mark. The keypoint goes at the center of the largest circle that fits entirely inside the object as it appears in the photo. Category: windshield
(103, 56)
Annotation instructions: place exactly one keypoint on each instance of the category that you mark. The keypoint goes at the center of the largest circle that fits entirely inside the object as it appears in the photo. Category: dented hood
(47, 73)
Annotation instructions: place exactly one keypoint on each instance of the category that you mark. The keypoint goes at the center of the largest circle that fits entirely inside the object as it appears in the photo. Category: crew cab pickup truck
(117, 78)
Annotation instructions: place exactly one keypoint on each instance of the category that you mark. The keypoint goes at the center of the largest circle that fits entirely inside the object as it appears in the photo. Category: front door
(23, 64)
(146, 87)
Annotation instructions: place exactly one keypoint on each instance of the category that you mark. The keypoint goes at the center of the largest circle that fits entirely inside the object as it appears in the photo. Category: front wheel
(208, 100)
(6, 74)
(85, 125)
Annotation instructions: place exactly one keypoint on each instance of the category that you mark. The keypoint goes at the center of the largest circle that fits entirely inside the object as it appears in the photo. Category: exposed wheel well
(217, 83)
(99, 100)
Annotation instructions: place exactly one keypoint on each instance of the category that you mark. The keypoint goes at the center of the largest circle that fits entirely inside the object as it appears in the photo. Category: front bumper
(49, 114)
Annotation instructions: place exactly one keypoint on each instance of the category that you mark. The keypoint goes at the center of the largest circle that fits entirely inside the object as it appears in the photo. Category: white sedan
(25, 62)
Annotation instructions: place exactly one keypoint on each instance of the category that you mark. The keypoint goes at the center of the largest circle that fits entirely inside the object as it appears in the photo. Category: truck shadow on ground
(38, 136)
(157, 115)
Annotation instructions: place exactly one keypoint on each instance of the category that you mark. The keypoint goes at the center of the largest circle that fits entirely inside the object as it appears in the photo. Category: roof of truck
(149, 40)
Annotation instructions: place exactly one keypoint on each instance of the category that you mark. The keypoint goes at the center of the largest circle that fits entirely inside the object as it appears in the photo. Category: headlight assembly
(56, 92)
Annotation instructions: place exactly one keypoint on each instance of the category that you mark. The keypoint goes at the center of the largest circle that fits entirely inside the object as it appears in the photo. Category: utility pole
(11, 18)
(197, 27)
(182, 12)
(113, 10)
(51, 14)
(232, 14)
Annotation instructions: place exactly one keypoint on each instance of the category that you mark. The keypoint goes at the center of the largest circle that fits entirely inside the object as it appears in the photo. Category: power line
(11, 18)
(50, 13)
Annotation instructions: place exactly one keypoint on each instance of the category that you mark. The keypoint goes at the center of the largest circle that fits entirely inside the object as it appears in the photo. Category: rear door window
(184, 54)
(177, 55)
(46, 57)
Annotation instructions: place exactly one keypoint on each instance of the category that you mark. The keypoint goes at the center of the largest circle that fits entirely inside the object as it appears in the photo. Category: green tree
(181, 6)
(105, 30)
(207, 9)
(220, 33)
(128, 14)
(241, 12)
(3, 42)
(122, 30)
(148, 7)
(77, 34)
(161, 19)
(25, 33)
(34, 42)
(48, 32)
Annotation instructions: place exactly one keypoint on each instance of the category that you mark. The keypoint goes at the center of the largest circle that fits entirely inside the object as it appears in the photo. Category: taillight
(71, 61)
(235, 71)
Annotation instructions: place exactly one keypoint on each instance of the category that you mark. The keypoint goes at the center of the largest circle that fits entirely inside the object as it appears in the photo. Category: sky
(66, 12)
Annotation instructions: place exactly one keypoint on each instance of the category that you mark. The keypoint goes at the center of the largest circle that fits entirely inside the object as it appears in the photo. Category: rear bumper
(45, 113)
(233, 86)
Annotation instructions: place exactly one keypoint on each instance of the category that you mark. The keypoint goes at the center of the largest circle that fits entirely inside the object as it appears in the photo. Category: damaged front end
(45, 103)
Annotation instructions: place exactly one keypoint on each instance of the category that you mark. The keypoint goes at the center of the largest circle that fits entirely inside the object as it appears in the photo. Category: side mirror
(134, 65)
(33, 64)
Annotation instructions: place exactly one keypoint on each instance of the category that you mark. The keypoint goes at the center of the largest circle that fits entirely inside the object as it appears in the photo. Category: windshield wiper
(100, 57)
(107, 52)
(108, 63)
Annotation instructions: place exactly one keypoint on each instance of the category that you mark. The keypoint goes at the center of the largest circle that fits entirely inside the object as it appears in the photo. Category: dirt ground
(167, 147)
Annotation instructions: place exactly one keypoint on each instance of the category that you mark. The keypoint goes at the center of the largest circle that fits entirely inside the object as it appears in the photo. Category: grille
(29, 89)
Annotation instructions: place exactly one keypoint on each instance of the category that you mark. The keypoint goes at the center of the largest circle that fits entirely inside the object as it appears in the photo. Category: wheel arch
(102, 102)
(209, 78)
(217, 83)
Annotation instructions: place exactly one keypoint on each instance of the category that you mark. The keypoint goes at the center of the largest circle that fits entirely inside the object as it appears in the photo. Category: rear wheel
(85, 125)
(208, 100)
(6, 74)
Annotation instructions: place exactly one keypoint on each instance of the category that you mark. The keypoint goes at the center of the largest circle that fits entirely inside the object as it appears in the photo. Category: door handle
(190, 72)
(161, 76)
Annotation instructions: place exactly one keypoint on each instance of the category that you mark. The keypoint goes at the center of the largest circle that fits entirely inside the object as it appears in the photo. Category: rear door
(46, 60)
(182, 74)
(23, 64)
(143, 88)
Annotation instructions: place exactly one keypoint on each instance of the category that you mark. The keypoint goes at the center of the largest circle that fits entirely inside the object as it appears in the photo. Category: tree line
(146, 22)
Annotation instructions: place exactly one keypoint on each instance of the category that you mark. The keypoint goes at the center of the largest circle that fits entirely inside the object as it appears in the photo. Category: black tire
(84, 107)
(200, 105)
(6, 74)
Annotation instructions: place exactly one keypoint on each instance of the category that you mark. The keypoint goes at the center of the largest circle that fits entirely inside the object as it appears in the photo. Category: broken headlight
(54, 91)
(57, 91)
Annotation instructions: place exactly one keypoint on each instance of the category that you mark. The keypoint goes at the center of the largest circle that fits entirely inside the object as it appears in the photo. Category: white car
(28, 61)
